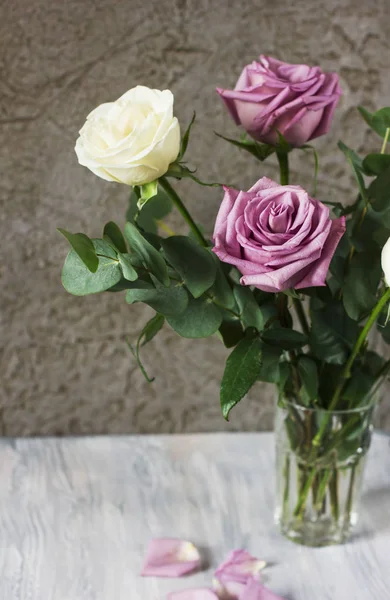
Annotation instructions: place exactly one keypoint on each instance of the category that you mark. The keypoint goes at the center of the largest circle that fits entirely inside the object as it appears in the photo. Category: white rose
(132, 140)
(386, 261)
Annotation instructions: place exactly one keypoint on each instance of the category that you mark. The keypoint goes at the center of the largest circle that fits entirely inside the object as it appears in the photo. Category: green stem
(349, 502)
(346, 374)
(334, 493)
(286, 488)
(183, 211)
(300, 507)
(301, 316)
(283, 166)
(386, 139)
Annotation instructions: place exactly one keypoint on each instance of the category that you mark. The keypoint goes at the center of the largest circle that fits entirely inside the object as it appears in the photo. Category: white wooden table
(76, 515)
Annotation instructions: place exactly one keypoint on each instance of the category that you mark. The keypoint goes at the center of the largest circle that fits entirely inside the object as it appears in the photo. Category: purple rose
(296, 100)
(277, 236)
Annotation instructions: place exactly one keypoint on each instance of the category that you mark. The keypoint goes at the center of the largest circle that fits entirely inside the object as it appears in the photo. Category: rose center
(279, 218)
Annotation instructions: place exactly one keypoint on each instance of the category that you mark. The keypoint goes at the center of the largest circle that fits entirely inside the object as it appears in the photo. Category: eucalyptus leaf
(375, 164)
(241, 372)
(112, 231)
(83, 247)
(168, 301)
(127, 268)
(231, 332)
(195, 265)
(150, 257)
(221, 291)
(378, 121)
(77, 279)
(379, 192)
(250, 312)
(155, 210)
(148, 332)
(151, 329)
(200, 319)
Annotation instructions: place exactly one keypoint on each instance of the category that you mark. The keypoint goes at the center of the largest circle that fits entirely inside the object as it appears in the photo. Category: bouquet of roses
(291, 283)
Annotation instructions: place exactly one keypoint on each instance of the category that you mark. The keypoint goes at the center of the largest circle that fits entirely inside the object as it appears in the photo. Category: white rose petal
(386, 261)
(132, 140)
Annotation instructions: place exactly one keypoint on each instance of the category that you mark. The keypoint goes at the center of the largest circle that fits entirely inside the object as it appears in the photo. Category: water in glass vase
(320, 458)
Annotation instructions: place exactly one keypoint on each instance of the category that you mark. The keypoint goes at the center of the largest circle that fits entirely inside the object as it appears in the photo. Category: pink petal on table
(170, 557)
(254, 590)
(232, 575)
(193, 594)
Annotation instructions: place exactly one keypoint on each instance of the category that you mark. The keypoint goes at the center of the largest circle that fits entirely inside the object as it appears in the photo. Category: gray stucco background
(65, 367)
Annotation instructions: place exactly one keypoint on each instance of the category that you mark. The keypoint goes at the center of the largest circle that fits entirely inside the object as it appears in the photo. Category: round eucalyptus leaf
(200, 319)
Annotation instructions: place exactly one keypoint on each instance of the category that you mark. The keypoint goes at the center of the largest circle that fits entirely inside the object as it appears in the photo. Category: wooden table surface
(76, 515)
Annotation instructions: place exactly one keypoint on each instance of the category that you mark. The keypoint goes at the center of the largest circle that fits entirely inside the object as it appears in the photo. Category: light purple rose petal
(233, 574)
(193, 594)
(277, 236)
(271, 96)
(170, 557)
(254, 590)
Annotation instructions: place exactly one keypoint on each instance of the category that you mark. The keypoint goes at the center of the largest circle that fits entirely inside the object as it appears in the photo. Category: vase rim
(344, 411)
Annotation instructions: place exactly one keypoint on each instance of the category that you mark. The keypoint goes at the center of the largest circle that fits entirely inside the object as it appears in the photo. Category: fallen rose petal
(254, 590)
(232, 575)
(170, 557)
(193, 594)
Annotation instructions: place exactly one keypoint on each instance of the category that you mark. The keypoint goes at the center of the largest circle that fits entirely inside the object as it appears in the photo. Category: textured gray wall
(64, 364)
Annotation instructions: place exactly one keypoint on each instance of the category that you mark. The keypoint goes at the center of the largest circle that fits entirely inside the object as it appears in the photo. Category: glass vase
(320, 458)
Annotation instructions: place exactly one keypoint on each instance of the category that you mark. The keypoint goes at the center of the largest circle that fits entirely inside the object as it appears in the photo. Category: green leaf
(288, 339)
(150, 257)
(241, 372)
(332, 333)
(357, 167)
(200, 319)
(308, 373)
(221, 291)
(128, 270)
(375, 164)
(379, 192)
(169, 301)
(83, 247)
(358, 388)
(259, 151)
(381, 121)
(148, 191)
(180, 171)
(231, 332)
(270, 367)
(112, 231)
(361, 284)
(77, 279)
(367, 116)
(195, 265)
(153, 211)
(378, 121)
(251, 315)
(151, 329)
(186, 137)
